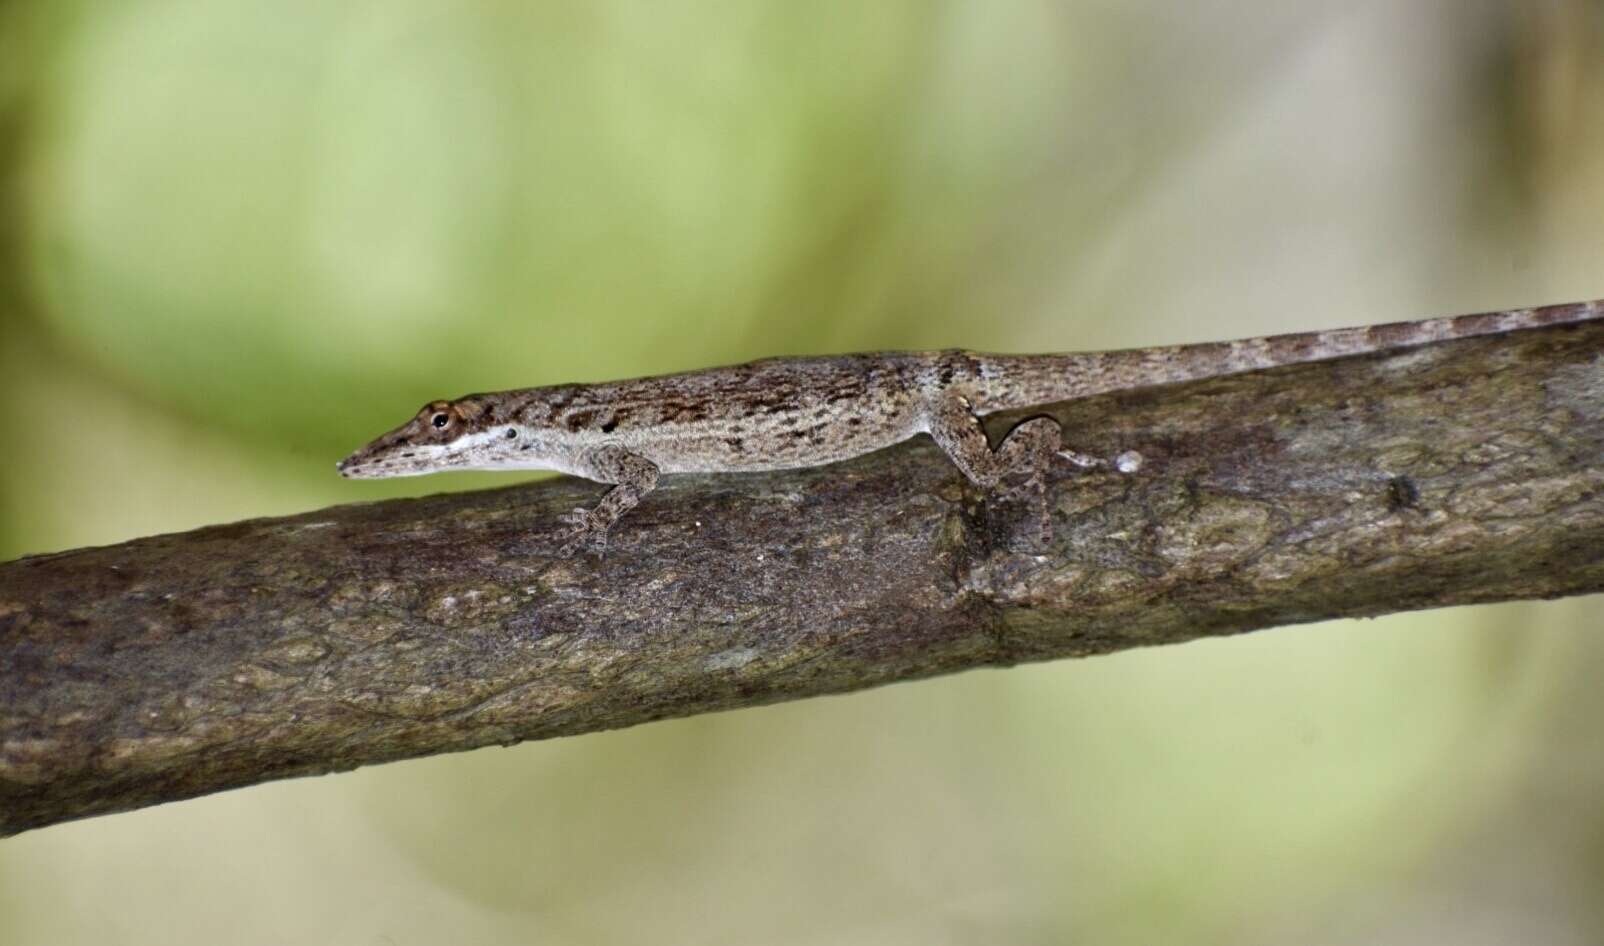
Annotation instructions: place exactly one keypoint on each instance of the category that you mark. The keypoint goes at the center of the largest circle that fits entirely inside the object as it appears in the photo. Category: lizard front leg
(1018, 466)
(632, 476)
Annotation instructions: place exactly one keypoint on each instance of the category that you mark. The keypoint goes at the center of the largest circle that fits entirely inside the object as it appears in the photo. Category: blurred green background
(239, 238)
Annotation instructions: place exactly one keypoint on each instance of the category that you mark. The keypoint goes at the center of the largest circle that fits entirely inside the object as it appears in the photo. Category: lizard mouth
(353, 469)
(356, 467)
(363, 465)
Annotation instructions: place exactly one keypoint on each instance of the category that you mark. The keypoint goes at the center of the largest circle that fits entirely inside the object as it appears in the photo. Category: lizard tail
(1023, 380)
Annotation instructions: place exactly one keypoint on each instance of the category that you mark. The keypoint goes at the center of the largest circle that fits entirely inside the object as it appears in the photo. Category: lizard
(796, 412)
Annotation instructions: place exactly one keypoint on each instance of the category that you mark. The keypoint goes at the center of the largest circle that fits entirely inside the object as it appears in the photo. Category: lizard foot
(586, 533)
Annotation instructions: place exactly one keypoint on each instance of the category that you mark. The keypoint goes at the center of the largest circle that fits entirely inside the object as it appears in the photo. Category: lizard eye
(512, 433)
(440, 421)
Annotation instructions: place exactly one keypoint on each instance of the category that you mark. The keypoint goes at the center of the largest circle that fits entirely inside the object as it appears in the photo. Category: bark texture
(178, 665)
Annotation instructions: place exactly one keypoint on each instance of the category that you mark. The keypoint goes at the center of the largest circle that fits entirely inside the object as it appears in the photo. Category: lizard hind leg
(1017, 469)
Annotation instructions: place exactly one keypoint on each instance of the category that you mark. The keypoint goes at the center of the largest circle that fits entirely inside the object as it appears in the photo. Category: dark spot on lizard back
(846, 391)
(1559, 313)
(610, 426)
(736, 443)
(1295, 347)
(1393, 333)
(1481, 324)
(579, 420)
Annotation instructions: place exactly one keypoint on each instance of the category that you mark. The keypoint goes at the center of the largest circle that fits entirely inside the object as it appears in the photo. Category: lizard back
(778, 413)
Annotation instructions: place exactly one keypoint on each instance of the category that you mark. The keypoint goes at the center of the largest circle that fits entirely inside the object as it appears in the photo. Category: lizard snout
(351, 467)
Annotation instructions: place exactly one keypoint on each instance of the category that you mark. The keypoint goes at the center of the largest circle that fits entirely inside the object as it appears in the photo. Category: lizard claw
(1083, 460)
(1128, 462)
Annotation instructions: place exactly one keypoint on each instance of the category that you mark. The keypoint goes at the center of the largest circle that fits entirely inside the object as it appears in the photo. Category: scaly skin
(785, 413)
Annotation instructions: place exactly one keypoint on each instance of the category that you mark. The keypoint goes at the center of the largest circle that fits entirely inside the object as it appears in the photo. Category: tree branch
(178, 665)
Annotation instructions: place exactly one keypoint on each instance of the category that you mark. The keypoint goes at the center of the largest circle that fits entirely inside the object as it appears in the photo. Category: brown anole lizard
(786, 413)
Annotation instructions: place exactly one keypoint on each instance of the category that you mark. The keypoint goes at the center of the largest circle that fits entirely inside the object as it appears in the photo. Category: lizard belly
(778, 447)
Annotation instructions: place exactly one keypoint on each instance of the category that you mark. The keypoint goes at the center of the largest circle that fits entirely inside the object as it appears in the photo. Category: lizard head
(443, 434)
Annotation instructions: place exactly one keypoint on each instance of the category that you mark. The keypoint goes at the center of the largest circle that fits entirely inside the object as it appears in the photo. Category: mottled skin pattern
(784, 413)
